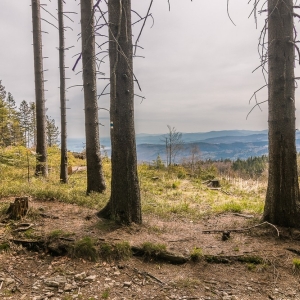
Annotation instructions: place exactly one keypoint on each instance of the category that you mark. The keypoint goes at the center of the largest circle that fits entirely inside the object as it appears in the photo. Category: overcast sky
(196, 74)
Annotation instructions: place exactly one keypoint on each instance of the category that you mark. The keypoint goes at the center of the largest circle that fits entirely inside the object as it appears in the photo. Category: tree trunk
(282, 199)
(95, 178)
(41, 145)
(125, 203)
(63, 114)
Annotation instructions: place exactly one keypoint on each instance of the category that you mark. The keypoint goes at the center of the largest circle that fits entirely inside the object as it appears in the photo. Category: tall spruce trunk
(41, 142)
(63, 114)
(282, 199)
(95, 178)
(125, 204)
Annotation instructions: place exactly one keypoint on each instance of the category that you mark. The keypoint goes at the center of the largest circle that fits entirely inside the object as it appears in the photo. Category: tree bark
(41, 144)
(125, 203)
(63, 114)
(282, 199)
(95, 178)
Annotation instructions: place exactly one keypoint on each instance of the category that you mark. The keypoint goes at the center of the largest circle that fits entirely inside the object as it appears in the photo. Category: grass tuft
(196, 254)
(151, 249)
(118, 251)
(85, 248)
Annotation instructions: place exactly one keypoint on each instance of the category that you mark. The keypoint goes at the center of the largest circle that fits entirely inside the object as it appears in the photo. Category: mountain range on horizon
(232, 144)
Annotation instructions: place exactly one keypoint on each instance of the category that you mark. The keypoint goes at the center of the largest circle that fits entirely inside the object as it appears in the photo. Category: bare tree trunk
(282, 199)
(63, 114)
(95, 178)
(125, 203)
(41, 144)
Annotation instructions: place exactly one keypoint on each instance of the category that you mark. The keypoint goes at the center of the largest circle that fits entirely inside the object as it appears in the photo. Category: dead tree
(282, 205)
(63, 114)
(125, 202)
(174, 144)
(95, 178)
(41, 143)
(282, 199)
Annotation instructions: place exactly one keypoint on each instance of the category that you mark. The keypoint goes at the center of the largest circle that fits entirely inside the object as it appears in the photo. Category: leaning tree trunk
(282, 199)
(125, 203)
(95, 178)
(63, 114)
(41, 143)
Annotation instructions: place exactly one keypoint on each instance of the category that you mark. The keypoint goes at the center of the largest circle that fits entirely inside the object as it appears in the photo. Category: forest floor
(251, 264)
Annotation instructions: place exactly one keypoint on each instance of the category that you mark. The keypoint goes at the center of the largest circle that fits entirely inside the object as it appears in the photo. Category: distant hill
(222, 144)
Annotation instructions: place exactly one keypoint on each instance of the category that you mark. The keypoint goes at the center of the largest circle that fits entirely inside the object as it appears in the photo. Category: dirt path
(37, 275)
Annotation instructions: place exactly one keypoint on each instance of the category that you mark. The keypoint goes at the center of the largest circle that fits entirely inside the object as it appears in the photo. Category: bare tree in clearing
(174, 144)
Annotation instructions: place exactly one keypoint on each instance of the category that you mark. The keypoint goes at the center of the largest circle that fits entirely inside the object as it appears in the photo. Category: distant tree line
(18, 124)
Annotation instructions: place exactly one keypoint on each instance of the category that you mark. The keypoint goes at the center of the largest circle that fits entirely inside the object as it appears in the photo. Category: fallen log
(161, 255)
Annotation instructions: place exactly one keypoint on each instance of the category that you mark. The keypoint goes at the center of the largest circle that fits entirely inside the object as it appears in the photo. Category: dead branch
(229, 14)
(240, 229)
(48, 12)
(145, 19)
(103, 90)
(149, 275)
(293, 250)
(256, 92)
(297, 48)
(49, 23)
(77, 61)
(257, 104)
(23, 227)
(243, 216)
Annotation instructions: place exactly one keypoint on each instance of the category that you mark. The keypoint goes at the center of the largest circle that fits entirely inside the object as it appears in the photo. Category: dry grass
(164, 192)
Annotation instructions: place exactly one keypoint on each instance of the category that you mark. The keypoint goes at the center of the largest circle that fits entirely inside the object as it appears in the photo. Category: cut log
(76, 169)
(18, 209)
(214, 184)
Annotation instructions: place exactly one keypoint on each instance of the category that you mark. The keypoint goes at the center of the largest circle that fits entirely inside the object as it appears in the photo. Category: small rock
(9, 281)
(49, 294)
(68, 287)
(80, 276)
(51, 283)
(90, 278)
(117, 273)
(127, 283)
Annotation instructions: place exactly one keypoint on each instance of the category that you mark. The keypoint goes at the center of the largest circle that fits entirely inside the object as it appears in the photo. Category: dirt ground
(38, 275)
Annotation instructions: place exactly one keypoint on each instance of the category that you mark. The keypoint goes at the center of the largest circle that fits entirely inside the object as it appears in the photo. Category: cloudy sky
(196, 74)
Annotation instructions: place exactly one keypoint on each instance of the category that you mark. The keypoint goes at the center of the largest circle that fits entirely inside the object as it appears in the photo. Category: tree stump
(215, 183)
(18, 209)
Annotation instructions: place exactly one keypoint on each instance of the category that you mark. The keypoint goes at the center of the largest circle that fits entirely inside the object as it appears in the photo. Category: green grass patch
(196, 254)
(118, 251)
(296, 264)
(152, 249)
(85, 248)
(4, 247)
